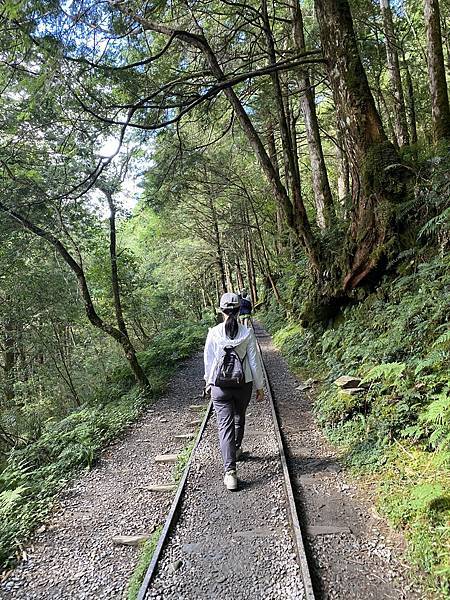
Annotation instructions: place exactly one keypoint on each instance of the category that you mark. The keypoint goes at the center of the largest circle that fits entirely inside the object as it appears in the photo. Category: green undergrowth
(35, 473)
(144, 560)
(398, 341)
(182, 461)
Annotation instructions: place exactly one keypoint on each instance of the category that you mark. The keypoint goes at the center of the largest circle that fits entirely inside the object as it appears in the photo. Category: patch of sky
(398, 7)
(319, 98)
(85, 30)
(141, 149)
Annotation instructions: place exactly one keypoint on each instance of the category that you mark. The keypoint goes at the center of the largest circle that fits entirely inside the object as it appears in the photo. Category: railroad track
(175, 510)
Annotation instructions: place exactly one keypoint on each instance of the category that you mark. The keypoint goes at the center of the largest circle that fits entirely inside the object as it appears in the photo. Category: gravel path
(353, 554)
(75, 557)
(233, 545)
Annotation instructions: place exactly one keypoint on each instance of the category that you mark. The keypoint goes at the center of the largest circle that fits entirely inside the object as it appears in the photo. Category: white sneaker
(238, 453)
(230, 480)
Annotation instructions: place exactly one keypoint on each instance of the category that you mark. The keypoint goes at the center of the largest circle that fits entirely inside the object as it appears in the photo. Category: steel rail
(172, 517)
(292, 509)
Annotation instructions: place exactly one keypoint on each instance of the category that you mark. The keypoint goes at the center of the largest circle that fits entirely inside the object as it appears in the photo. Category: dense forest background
(156, 155)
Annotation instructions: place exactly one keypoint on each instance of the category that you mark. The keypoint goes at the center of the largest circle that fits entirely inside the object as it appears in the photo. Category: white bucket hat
(229, 300)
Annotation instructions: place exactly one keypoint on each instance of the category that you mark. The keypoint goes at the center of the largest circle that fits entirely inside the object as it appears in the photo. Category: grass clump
(182, 461)
(145, 557)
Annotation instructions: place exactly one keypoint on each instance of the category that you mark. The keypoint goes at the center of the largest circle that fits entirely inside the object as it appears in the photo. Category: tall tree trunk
(129, 349)
(394, 74)
(410, 102)
(65, 373)
(266, 269)
(440, 109)
(322, 192)
(219, 253)
(373, 161)
(9, 359)
(239, 276)
(446, 29)
(272, 148)
(219, 288)
(385, 113)
(290, 159)
(228, 275)
(343, 174)
(249, 263)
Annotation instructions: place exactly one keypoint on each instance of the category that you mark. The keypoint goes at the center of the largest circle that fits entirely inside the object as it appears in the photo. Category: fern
(443, 341)
(10, 498)
(388, 372)
(435, 225)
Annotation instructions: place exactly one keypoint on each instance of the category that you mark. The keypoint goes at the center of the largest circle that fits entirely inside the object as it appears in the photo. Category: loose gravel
(234, 545)
(353, 554)
(75, 558)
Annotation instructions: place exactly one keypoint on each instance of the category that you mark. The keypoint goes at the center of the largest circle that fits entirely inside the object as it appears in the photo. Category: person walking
(232, 366)
(245, 309)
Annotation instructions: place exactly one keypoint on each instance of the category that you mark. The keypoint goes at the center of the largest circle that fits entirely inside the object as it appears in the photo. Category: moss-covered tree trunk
(391, 43)
(322, 192)
(440, 108)
(375, 168)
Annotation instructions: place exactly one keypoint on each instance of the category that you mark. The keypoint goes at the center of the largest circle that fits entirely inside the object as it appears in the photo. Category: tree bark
(267, 271)
(218, 244)
(228, 275)
(322, 192)
(250, 265)
(343, 175)
(440, 109)
(373, 161)
(239, 276)
(9, 360)
(410, 103)
(272, 148)
(301, 224)
(401, 128)
(129, 349)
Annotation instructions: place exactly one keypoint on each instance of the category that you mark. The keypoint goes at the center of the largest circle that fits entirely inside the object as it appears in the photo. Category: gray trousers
(230, 405)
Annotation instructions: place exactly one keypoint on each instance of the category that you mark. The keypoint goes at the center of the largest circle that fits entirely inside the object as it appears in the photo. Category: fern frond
(385, 371)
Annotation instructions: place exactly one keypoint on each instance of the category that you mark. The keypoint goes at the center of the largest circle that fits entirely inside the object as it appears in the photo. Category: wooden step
(184, 436)
(130, 540)
(162, 487)
(166, 458)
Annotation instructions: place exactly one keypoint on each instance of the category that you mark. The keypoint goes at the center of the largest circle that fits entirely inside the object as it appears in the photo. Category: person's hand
(206, 391)
(260, 394)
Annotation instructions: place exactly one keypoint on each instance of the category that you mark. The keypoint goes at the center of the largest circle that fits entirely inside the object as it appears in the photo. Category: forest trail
(353, 554)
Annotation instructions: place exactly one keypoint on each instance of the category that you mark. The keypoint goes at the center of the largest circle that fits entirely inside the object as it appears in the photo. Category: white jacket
(245, 346)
